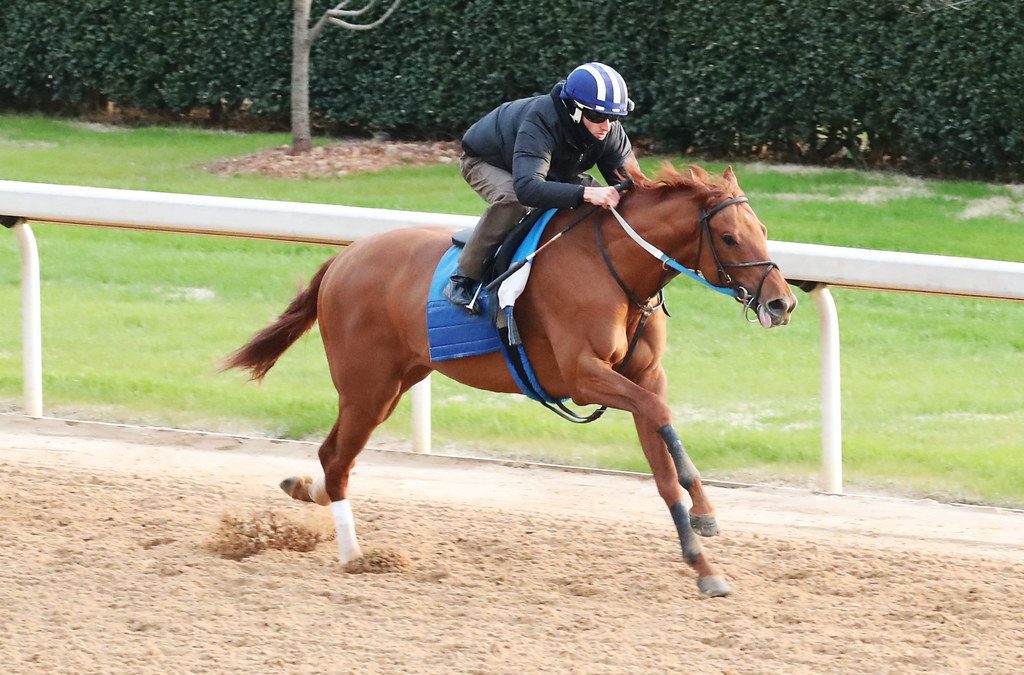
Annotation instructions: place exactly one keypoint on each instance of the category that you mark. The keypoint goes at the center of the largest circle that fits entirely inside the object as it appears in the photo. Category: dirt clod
(381, 561)
(243, 536)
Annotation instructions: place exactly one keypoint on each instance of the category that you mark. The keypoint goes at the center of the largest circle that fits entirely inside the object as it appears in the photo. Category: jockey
(532, 152)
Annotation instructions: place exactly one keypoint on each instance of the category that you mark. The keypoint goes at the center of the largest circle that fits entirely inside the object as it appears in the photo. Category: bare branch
(317, 27)
(366, 26)
(339, 11)
(302, 41)
(929, 6)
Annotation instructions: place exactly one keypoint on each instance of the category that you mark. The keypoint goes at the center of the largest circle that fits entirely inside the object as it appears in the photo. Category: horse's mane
(703, 186)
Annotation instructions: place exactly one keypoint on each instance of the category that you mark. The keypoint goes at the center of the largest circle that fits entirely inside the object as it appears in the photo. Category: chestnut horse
(592, 298)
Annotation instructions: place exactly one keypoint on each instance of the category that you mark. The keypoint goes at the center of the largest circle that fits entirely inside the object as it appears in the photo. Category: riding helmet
(599, 88)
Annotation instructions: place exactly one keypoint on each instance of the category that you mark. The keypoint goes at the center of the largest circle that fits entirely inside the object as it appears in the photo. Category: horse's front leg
(647, 399)
(702, 515)
(673, 470)
(596, 382)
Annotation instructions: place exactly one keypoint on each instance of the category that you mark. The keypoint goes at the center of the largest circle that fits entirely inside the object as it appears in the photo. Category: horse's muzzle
(776, 311)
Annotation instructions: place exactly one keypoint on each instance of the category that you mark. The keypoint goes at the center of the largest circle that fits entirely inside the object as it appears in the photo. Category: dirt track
(106, 567)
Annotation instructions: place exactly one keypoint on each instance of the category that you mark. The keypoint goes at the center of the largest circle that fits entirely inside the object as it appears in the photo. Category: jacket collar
(576, 133)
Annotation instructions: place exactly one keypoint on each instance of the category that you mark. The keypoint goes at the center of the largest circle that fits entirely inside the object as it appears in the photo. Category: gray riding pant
(501, 216)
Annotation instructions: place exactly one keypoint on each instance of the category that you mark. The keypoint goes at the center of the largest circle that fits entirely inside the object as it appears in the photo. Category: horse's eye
(729, 240)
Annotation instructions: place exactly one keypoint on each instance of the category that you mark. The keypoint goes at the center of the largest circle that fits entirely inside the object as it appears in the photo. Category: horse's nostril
(778, 307)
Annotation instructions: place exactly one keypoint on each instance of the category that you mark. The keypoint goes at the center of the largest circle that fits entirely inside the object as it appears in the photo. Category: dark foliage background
(884, 83)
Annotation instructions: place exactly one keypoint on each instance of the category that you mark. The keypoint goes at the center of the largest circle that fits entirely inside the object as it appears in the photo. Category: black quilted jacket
(536, 141)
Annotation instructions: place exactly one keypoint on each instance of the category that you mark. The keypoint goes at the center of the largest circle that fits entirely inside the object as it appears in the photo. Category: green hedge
(893, 83)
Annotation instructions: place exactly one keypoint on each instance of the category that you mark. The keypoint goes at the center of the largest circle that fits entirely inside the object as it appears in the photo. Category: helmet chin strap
(575, 110)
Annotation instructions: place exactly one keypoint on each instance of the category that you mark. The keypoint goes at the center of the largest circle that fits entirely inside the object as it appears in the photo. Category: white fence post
(31, 320)
(420, 393)
(831, 397)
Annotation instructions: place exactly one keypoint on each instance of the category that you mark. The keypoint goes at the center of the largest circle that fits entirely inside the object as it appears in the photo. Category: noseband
(742, 295)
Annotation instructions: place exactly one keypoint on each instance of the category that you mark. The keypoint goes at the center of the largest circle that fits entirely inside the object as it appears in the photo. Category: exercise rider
(533, 152)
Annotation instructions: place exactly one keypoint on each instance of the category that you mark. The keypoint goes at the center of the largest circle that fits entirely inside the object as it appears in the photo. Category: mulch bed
(338, 159)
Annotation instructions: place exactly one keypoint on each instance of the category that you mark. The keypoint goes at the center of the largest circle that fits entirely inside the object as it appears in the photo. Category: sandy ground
(106, 566)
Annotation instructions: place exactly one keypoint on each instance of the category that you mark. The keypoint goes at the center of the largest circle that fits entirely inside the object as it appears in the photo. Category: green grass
(933, 390)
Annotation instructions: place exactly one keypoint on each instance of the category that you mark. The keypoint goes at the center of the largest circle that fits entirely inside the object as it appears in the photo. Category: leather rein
(750, 301)
(656, 301)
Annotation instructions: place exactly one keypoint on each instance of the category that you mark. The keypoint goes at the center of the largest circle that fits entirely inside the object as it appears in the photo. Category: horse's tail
(260, 353)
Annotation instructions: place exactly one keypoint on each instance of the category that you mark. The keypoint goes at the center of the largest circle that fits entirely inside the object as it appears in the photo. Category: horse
(590, 319)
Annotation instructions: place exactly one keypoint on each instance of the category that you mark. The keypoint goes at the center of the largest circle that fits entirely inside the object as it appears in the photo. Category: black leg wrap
(685, 469)
(687, 537)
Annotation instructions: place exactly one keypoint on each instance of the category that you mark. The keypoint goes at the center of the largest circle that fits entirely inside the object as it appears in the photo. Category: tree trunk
(301, 137)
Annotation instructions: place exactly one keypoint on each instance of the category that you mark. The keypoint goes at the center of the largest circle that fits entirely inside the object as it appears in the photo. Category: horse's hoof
(297, 487)
(705, 525)
(713, 587)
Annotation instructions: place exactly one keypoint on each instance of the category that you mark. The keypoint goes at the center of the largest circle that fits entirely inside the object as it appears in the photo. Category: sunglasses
(596, 117)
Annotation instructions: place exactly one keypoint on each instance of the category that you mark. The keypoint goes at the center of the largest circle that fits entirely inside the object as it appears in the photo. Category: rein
(732, 289)
(648, 307)
(665, 260)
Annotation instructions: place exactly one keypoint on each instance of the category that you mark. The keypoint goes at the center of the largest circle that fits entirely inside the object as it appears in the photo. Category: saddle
(503, 257)
(454, 333)
(520, 243)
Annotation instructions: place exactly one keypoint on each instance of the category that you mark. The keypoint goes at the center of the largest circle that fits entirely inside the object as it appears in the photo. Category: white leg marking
(345, 531)
(318, 492)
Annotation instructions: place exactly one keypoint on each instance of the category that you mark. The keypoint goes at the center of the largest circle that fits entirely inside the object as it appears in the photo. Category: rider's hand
(605, 197)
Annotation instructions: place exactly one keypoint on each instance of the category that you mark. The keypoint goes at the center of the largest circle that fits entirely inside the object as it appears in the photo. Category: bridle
(742, 295)
(730, 287)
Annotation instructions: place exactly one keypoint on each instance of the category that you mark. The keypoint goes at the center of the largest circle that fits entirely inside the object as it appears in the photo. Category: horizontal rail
(200, 214)
(341, 225)
(894, 271)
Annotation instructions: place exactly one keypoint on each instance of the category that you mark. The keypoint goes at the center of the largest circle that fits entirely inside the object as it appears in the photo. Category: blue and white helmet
(600, 88)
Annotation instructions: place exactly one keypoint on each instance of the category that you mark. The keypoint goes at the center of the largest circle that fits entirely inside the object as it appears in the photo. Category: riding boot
(460, 290)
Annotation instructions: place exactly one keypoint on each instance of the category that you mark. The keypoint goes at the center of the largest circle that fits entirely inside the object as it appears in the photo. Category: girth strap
(517, 359)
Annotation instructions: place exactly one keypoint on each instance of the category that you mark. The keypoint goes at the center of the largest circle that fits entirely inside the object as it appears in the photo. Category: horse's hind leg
(304, 488)
(360, 411)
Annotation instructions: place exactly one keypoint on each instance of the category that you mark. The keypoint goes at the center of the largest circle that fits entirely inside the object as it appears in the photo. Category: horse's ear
(730, 177)
(698, 174)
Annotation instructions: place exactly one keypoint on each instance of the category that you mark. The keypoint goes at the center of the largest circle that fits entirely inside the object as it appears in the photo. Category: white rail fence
(341, 225)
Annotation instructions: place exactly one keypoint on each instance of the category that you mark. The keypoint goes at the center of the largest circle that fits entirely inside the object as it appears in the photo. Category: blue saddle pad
(454, 333)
